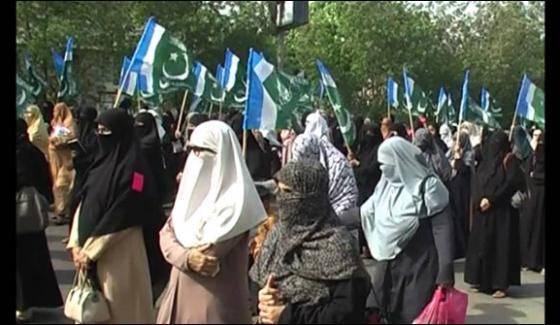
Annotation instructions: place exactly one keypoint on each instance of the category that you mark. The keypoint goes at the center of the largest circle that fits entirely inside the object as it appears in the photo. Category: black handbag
(31, 211)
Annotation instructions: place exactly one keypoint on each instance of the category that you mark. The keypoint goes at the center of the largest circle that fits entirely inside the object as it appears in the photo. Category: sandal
(499, 294)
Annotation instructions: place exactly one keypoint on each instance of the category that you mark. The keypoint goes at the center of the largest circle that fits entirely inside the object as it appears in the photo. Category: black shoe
(60, 220)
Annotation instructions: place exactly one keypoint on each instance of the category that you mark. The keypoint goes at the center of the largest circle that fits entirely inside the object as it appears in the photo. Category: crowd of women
(279, 233)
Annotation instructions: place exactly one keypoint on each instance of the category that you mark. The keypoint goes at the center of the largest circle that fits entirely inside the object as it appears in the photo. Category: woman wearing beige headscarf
(60, 158)
(37, 129)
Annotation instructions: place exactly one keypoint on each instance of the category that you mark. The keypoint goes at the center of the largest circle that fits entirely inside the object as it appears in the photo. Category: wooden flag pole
(182, 109)
(220, 113)
(138, 100)
(388, 110)
(411, 125)
(513, 124)
(210, 111)
(119, 93)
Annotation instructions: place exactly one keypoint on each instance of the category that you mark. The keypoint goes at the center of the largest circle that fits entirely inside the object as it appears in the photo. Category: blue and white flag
(484, 99)
(58, 63)
(131, 84)
(408, 89)
(442, 101)
(231, 70)
(465, 98)
(530, 102)
(260, 108)
(392, 93)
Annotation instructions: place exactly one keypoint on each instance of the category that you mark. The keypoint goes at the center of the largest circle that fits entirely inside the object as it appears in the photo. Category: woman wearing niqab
(408, 231)
(493, 262)
(206, 239)
(308, 256)
(114, 206)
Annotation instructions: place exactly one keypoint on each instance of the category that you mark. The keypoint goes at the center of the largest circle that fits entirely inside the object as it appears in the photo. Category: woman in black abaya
(493, 261)
(36, 284)
(533, 212)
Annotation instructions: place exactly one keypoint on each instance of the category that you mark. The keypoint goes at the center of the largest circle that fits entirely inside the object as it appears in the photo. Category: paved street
(524, 306)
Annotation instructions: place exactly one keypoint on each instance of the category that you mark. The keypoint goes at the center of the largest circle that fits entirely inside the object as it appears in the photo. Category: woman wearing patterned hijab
(408, 231)
(307, 268)
(206, 239)
(343, 191)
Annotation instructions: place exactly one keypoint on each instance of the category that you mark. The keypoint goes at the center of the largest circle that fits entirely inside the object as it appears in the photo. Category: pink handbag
(448, 306)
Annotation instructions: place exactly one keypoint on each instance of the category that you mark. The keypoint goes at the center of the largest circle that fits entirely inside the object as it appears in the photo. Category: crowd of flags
(270, 97)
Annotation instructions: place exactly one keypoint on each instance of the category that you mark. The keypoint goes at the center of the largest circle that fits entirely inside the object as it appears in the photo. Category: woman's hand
(200, 262)
(270, 314)
(484, 204)
(80, 259)
(270, 304)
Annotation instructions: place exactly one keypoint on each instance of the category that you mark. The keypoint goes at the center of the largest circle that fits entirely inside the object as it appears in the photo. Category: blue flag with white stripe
(392, 93)
(465, 98)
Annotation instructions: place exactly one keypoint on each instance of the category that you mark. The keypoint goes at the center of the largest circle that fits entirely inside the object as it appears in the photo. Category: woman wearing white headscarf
(317, 125)
(408, 231)
(206, 238)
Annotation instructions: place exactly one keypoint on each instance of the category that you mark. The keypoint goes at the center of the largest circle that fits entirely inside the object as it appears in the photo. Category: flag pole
(388, 110)
(244, 143)
(411, 125)
(182, 109)
(513, 123)
(220, 113)
(210, 111)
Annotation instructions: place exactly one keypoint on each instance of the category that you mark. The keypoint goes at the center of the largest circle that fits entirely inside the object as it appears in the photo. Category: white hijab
(317, 125)
(217, 199)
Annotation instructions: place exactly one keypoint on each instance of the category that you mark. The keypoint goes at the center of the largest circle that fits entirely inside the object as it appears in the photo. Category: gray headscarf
(308, 248)
(435, 157)
(343, 190)
(407, 191)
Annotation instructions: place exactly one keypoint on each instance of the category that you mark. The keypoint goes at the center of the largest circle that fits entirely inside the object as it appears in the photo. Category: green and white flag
(478, 115)
(344, 117)
(24, 95)
(165, 64)
(36, 81)
(414, 97)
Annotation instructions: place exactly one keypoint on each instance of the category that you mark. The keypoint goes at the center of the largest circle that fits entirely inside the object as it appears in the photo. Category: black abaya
(533, 214)
(36, 284)
(493, 259)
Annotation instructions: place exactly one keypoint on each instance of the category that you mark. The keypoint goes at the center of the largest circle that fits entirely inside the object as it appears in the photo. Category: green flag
(344, 117)
(38, 83)
(166, 65)
(24, 95)
(478, 115)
